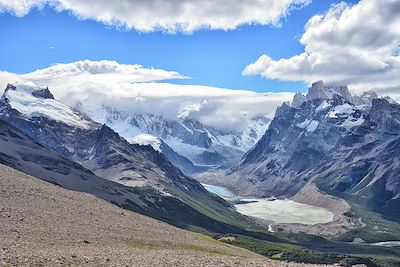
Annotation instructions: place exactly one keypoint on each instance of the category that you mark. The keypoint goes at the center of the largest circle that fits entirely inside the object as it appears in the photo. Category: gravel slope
(45, 225)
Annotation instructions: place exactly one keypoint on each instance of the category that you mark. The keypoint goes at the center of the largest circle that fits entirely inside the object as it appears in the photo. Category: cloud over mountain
(355, 44)
(167, 15)
(135, 89)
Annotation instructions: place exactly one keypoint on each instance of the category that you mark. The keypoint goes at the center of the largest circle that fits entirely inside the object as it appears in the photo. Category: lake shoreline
(273, 209)
(312, 196)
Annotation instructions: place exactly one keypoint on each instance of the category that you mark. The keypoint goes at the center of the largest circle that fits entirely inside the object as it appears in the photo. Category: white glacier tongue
(33, 100)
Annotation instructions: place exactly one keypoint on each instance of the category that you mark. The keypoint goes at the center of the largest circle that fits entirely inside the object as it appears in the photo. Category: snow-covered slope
(32, 100)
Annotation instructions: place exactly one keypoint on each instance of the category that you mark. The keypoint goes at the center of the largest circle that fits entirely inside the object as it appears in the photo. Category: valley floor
(45, 225)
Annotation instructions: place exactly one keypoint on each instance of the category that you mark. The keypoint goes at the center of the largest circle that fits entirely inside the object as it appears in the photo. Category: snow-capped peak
(319, 90)
(33, 100)
(146, 139)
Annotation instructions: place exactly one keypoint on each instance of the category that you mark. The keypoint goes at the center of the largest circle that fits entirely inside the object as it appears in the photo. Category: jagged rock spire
(319, 90)
(298, 100)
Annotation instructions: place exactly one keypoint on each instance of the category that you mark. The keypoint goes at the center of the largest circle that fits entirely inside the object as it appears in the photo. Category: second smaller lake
(221, 191)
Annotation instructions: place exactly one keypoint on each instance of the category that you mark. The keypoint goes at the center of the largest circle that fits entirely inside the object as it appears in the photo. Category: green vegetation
(376, 198)
(211, 216)
(160, 244)
(281, 251)
(352, 254)
(377, 227)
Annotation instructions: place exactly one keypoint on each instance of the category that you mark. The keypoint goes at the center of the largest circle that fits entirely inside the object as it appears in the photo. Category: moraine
(279, 211)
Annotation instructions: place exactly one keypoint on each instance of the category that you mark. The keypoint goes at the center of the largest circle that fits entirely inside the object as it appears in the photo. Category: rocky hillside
(349, 146)
(52, 226)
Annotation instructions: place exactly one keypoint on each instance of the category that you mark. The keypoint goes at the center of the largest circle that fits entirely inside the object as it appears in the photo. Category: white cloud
(133, 89)
(104, 70)
(356, 45)
(7, 77)
(168, 15)
(20, 7)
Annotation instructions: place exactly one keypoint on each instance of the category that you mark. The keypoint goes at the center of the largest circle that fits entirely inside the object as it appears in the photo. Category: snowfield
(30, 106)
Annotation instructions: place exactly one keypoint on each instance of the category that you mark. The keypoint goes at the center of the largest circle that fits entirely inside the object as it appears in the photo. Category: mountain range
(186, 142)
(56, 143)
(347, 145)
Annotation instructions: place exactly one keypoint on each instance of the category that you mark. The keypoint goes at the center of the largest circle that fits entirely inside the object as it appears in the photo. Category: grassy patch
(167, 245)
(284, 252)
(377, 228)
(213, 218)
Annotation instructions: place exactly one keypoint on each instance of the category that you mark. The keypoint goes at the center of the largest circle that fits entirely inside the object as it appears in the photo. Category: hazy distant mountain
(348, 146)
(190, 145)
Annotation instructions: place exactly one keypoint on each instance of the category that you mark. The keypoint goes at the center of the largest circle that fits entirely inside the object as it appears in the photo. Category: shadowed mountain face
(58, 135)
(348, 149)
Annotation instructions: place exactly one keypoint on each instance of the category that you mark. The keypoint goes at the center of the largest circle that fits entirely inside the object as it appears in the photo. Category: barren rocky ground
(45, 225)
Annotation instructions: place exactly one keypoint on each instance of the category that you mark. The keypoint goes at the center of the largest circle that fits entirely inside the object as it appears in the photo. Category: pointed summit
(365, 99)
(319, 90)
(298, 100)
(43, 93)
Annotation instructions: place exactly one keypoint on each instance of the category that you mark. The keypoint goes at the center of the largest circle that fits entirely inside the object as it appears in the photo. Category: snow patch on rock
(309, 125)
(145, 140)
(345, 109)
(324, 105)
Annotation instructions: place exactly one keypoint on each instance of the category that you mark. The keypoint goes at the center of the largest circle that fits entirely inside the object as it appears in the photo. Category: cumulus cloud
(357, 45)
(21, 7)
(168, 15)
(92, 85)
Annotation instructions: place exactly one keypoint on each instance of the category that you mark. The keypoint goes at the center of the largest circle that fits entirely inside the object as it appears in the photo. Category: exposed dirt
(45, 225)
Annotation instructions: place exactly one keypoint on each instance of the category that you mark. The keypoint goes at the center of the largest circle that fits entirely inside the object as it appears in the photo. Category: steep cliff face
(346, 149)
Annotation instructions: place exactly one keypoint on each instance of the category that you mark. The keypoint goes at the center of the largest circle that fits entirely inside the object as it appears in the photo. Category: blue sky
(211, 57)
